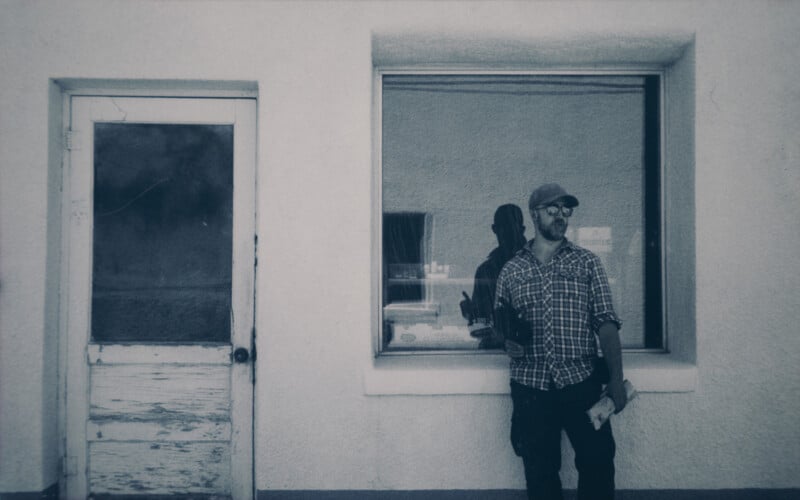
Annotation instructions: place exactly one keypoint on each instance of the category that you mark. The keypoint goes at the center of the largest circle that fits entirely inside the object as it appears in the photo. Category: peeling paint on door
(158, 428)
(155, 405)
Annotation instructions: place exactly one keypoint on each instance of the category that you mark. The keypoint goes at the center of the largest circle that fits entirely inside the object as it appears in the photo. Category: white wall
(312, 62)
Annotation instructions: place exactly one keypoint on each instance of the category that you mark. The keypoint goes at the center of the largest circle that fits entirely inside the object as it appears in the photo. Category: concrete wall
(315, 427)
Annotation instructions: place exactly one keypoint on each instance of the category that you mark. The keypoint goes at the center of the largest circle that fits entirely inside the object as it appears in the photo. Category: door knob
(241, 355)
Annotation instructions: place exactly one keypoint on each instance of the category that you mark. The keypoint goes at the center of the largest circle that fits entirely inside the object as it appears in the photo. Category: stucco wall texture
(315, 428)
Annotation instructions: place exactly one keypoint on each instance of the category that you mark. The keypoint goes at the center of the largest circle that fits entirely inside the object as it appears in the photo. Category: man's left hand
(616, 391)
(612, 349)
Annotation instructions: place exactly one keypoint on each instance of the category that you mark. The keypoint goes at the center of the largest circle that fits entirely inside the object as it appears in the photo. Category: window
(458, 150)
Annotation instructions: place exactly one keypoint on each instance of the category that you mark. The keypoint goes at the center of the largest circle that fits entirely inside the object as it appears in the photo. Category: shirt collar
(566, 245)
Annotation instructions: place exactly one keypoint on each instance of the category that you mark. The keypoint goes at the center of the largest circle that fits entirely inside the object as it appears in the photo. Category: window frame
(658, 337)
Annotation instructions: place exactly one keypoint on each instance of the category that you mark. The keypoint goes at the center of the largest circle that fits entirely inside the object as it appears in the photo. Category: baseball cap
(548, 193)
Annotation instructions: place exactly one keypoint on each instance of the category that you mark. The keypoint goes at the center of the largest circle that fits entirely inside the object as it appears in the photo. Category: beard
(554, 231)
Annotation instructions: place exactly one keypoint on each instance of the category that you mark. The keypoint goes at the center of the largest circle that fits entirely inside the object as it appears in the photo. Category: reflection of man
(510, 231)
(561, 295)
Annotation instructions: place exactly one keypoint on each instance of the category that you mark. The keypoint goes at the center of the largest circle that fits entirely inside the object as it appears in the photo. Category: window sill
(446, 374)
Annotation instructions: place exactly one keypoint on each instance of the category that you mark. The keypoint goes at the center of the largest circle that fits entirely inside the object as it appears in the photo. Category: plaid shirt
(565, 300)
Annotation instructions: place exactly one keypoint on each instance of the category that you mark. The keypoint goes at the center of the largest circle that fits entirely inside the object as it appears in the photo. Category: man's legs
(594, 449)
(536, 437)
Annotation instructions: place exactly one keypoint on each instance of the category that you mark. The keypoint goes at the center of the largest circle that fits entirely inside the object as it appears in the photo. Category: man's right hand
(514, 350)
(509, 323)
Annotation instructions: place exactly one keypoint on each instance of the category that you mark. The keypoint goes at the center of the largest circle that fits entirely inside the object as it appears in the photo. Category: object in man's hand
(467, 308)
(480, 329)
(603, 409)
(511, 326)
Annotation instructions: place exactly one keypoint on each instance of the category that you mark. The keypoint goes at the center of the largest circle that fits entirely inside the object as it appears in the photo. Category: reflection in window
(163, 216)
(405, 255)
(457, 148)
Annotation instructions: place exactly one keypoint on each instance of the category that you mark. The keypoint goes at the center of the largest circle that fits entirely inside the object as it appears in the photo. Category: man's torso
(556, 298)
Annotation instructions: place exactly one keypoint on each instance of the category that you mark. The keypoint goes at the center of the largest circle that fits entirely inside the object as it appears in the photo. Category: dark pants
(536, 425)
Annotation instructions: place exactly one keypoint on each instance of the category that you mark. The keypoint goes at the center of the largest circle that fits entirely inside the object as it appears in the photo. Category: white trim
(145, 431)
(376, 306)
(75, 349)
(63, 293)
(662, 200)
(478, 71)
(77, 288)
(653, 372)
(462, 372)
(158, 353)
(488, 374)
(243, 298)
(200, 89)
(377, 203)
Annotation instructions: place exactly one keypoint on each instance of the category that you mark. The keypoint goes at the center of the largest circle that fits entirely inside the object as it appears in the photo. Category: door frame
(69, 465)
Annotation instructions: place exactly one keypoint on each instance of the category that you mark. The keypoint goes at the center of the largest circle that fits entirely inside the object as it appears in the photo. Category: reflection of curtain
(403, 254)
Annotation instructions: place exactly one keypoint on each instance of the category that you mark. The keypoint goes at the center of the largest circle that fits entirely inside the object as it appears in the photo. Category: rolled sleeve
(600, 301)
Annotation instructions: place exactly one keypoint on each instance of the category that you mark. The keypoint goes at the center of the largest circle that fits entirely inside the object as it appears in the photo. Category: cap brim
(569, 201)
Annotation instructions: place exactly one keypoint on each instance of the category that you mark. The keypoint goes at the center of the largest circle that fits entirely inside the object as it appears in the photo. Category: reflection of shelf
(422, 336)
(411, 311)
(430, 281)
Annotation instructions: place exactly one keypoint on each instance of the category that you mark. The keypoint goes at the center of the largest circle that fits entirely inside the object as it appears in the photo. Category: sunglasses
(553, 210)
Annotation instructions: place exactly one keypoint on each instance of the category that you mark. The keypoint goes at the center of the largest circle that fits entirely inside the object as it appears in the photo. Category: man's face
(551, 222)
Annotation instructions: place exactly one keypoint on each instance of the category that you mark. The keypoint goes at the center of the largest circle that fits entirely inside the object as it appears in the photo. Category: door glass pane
(163, 220)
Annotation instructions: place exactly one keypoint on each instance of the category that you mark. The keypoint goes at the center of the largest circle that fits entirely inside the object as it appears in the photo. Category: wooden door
(160, 254)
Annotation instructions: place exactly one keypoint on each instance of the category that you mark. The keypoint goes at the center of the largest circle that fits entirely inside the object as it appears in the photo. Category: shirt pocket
(527, 294)
(522, 282)
(572, 282)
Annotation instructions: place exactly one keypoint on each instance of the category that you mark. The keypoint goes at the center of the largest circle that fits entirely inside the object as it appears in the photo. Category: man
(559, 301)
(510, 232)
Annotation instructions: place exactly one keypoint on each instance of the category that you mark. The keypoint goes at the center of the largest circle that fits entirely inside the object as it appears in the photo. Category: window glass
(456, 148)
(163, 216)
